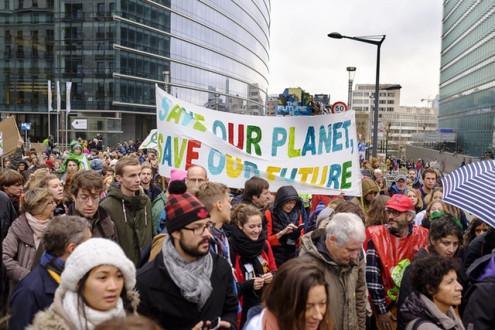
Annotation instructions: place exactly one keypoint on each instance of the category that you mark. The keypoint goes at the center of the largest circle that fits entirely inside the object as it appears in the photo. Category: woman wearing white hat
(96, 285)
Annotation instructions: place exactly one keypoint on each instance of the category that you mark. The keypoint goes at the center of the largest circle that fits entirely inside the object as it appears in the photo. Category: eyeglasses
(200, 229)
(85, 198)
(393, 212)
(196, 180)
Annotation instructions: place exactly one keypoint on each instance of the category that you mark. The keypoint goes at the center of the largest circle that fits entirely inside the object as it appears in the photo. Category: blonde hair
(35, 200)
(35, 179)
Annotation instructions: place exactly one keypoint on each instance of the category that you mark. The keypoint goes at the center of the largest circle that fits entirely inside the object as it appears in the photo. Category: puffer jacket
(418, 307)
(346, 282)
(132, 218)
(56, 317)
(18, 249)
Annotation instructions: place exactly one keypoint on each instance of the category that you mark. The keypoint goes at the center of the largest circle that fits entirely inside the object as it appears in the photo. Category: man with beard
(186, 285)
(406, 240)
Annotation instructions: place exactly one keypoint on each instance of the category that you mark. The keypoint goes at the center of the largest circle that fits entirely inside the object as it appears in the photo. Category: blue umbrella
(471, 188)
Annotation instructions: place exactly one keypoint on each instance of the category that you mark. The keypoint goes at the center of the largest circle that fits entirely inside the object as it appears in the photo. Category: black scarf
(248, 249)
(287, 218)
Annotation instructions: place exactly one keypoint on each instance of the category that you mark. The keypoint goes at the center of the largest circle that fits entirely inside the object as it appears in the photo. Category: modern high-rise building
(467, 74)
(212, 53)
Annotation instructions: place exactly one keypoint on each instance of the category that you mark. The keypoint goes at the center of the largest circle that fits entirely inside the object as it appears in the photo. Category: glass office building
(467, 74)
(212, 53)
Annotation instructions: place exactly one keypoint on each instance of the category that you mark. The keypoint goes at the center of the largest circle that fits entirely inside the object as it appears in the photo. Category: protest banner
(10, 134)
(315, 154)
(150, 141)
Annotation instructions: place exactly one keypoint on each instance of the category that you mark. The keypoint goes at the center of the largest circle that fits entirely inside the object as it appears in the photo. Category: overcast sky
(301, 54)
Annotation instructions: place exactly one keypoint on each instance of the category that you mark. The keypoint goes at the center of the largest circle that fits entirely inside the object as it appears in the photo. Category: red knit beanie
(182, 208)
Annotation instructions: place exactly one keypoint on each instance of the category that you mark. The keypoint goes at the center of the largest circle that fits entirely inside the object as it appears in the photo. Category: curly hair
(427, 273)
(443, 227)
(242, 212)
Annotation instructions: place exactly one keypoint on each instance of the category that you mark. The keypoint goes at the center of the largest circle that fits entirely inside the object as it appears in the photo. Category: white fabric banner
(1, 143)
(59, 99)
(50, 108)
(68, 85)
(150, 141)
(315, 154)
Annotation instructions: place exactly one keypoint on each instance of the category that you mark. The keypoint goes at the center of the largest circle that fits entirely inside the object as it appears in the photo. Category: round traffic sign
(339, 107)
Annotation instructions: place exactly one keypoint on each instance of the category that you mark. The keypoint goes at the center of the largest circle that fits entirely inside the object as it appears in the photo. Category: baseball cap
(400, 177)
(400, 203)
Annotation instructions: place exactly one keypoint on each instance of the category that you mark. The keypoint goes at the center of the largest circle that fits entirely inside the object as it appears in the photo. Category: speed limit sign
(339, 107)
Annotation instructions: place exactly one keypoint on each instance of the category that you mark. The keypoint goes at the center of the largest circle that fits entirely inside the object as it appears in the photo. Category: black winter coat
(32, 294)
(162, 301)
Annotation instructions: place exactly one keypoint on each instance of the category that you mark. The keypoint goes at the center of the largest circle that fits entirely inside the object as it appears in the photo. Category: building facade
(467, 74)
(211, 53)
(397, 124)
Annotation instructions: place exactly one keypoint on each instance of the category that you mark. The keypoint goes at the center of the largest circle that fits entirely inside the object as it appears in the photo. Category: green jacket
(132, 218)
(157, 208)
(347, 284)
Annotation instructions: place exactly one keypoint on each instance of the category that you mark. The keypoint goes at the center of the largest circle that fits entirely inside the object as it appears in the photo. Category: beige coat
(18, 250)
(346, 282)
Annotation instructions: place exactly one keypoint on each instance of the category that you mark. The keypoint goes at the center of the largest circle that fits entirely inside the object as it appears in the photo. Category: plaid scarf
(53, 265)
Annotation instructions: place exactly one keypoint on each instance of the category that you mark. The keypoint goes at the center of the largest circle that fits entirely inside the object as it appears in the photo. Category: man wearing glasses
(86, 187)
(186, 286)
(387, 246)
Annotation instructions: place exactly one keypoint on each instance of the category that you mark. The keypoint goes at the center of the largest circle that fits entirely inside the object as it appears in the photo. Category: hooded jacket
(284, 247)
(478, 311)
(132, 218)
(368, 186)
(419, 307)
(346, 282)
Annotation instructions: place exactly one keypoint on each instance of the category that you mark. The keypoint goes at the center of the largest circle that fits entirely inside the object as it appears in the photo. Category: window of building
(100, 67)
(100, 9)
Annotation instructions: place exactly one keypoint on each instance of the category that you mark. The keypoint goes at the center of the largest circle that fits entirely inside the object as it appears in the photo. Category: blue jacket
(32, 294)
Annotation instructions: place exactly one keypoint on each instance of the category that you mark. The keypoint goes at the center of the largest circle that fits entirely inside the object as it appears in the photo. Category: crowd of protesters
(96, 238)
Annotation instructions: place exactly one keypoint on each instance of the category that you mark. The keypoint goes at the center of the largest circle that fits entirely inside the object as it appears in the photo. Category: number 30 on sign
(339, 107)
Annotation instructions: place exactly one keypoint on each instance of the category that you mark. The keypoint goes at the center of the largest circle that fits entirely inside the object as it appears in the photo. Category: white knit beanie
(96, 252)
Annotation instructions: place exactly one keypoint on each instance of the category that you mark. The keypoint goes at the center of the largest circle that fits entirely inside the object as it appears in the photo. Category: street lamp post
(377, 41)
(352, 73)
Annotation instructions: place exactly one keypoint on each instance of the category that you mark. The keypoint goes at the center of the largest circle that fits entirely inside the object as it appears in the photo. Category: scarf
(192, 278)
(37, 226)
(287, 218)
(244, 246)
(94, 317)
(53, 265)
(248, 250)
(219, 243)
